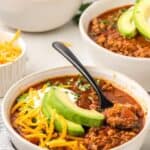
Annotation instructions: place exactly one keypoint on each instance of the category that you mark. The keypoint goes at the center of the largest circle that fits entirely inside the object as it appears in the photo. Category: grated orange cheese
(19, 104)
(50, 130)
(61, 143)
(36, 135)
(16, 37)
(64, 127)
(9, 51)
(33, 124)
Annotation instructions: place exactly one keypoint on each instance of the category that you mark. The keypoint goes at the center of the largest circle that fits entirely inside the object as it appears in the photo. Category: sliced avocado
(60, 101)
(74, 129)
(141, 17)
(126, 24)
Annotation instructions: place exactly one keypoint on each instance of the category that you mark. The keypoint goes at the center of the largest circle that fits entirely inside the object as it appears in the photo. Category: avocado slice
(126, 25)
(74, 129)
(60, 101)
(141, 17)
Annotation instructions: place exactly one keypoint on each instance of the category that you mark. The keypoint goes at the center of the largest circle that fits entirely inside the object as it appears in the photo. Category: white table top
(42, 56)
(40, 53)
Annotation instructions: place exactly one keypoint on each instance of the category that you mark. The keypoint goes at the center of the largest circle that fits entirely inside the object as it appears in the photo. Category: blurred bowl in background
(37, 15)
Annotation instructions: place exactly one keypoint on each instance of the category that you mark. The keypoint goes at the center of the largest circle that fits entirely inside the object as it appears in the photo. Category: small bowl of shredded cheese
(12, 59)
(9, 50)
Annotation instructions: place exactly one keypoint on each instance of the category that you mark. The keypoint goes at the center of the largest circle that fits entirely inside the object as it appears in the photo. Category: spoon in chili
(66, 52)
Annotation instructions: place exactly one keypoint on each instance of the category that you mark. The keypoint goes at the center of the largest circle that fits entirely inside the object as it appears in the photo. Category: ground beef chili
(103, 30)
(107, 137)
(123, 121)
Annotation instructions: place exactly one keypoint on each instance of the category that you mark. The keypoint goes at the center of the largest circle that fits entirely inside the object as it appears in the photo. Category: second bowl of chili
(98, 27)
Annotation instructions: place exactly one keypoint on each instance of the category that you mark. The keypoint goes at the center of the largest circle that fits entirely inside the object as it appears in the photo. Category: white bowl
(137, 68)
(121, 81)
(37, 15)
(13, 71)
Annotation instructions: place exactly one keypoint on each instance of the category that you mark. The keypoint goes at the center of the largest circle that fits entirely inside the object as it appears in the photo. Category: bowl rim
(21, 43)
(33, 75)
(85, 35)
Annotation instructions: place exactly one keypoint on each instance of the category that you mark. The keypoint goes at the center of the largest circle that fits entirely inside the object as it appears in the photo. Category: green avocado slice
(126, 24)
(141, 17)
(73, 129)
(60, 101)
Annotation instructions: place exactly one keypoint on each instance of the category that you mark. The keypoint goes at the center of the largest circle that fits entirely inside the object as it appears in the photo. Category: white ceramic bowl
(37, 15)
(13, 71)
(121, 81)
(137, 68)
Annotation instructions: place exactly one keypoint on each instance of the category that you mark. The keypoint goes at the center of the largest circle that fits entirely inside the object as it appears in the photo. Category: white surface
(41, 55)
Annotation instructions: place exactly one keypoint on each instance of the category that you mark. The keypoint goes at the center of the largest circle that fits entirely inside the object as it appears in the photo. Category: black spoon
(66, 52)
(12, 144)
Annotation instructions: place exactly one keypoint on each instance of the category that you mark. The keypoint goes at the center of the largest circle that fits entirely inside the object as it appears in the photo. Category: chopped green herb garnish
(114, 25)
(81, 10)
(97, 81)
(84, 87)
(48, 83)
(105, 21)
(66, 92)
(69, 81)
(82, 84)
(22, 97)
(123, 10)
(78, 82)
(76, 96)
(84, 6)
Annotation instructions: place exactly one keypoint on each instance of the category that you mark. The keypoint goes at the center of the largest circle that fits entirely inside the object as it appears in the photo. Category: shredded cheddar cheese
(64, 127)
(9, 50)
(38, 129)
(19, 104)
(51, 129)
(62, 143)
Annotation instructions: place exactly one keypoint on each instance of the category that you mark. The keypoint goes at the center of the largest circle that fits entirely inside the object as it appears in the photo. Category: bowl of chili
(107, 47)
(29, 129)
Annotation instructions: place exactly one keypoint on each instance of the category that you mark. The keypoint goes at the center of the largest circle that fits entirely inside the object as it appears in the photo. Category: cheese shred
(31, 123)
(9, 50)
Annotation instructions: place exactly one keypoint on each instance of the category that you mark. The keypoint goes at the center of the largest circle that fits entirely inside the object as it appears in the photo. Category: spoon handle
(66, 52)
